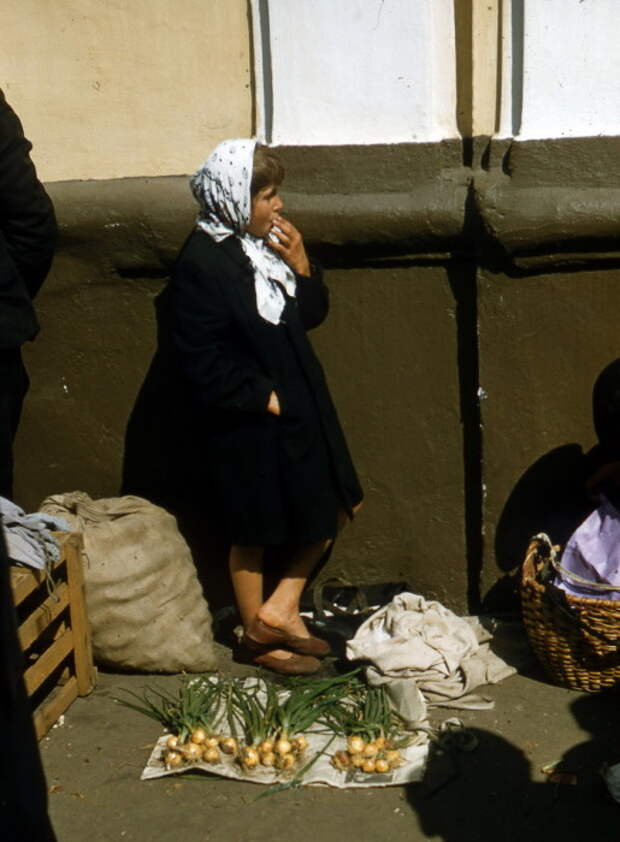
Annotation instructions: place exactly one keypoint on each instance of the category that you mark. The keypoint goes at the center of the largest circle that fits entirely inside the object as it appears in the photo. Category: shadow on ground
(491, 793)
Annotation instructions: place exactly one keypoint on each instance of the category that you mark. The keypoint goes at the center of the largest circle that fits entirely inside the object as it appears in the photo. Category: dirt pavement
(496, 792)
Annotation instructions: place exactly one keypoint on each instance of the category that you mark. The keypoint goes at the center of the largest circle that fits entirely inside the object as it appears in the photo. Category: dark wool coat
(226, 355)
(27, 240)
(27, 232)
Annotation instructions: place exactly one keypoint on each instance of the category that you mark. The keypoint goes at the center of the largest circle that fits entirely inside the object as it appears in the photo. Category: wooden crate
(54, 634)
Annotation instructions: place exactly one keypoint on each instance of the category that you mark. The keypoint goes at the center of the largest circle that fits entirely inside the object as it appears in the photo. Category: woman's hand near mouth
(287, 241)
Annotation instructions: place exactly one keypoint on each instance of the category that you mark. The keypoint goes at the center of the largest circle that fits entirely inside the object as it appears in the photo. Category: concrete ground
(496, 792)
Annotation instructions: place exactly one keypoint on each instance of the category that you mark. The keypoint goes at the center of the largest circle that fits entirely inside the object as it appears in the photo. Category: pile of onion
(375, 756)
(201, 747)
(281, 754)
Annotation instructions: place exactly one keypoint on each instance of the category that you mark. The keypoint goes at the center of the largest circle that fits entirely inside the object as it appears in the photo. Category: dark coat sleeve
(312, 298)
(27, 220)
(209, 345)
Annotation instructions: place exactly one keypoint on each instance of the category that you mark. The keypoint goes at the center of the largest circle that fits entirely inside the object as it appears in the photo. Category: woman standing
(242, 296)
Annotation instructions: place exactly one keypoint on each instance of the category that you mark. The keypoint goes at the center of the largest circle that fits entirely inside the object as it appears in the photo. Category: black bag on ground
(335, 610)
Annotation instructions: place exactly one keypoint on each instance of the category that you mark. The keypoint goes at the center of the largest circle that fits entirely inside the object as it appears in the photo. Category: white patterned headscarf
(222, 189)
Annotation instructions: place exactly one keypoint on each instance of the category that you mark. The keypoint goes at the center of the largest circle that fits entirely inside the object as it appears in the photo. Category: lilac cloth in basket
(593, 553)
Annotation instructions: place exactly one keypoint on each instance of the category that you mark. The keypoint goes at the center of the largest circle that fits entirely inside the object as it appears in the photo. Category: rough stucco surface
(389, 348)
(117, 89)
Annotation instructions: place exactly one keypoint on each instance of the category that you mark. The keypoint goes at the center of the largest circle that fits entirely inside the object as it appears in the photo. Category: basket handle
(540, 563)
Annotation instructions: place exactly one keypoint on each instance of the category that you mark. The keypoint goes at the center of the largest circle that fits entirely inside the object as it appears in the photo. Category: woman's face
(266, 206)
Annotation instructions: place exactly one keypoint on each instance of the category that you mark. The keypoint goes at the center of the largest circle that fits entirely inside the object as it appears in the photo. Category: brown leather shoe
(295, 665)
(260, 636)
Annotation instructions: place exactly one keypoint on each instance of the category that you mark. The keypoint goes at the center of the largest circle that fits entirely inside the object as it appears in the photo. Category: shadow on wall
(161, 464)
(551, 495)
(488, 794)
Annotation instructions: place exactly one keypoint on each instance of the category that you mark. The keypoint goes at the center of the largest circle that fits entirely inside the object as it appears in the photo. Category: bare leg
(282, 608)
(246, 573)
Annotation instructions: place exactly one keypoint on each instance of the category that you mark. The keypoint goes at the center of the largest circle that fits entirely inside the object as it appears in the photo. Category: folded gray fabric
(28, 539)
(424, 647)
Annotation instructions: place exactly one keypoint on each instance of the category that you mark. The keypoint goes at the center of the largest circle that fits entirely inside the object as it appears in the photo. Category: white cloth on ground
(425, 647)
(28, 539)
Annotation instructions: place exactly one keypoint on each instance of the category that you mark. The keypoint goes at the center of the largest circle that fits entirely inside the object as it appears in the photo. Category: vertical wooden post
(84, 667)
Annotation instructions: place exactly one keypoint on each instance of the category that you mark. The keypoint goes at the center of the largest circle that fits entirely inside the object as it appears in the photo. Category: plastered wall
(115, 89)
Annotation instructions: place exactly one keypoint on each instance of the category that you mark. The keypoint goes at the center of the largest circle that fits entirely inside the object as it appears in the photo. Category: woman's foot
(262, 636)
(289, 622)
(288, 663)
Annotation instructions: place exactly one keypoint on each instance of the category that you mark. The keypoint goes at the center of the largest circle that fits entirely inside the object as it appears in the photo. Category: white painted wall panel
(571, 68)
(355, 71)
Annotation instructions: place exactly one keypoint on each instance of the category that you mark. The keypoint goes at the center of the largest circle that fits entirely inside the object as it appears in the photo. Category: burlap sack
(143, 598)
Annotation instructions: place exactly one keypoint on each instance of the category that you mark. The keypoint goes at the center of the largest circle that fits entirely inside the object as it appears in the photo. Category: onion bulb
(266, 747)
(394, 758)
(370, 750)
(172, 759)
(249, 757)
(286, 761)
(341, 760)
(267, 758)
(368, 765)
(283, 747)
(357, 760)
(212, 742)
(228, 745)
(382, 765)
(211, 755)
(192, 751)
(356, 745)
(172, 742)
(299, 743)
(380, 743)
(199, 735)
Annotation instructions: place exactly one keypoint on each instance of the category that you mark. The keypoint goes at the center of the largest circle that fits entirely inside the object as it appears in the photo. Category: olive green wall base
(543, 341)
(474, 300)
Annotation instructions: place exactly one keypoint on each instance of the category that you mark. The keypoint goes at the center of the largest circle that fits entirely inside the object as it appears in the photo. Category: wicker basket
(576, 639)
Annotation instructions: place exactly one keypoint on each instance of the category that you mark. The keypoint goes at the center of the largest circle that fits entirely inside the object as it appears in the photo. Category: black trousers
(23, 791)
(13, 387)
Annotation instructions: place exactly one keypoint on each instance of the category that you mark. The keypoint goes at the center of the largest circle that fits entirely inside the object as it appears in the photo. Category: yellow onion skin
(228, 745)
(356, 745)
(212, 742)
(249, 757)
(382, 766)
(380, 743)
(172, 742)
(341, 760)
(192, 751)
(286, 761)
(266, 747)
(394, 758)
(370, 750)
(173, 759)
(211, 755)
(368, 765)
(267, 758)
(299, 743)
(199, 735)
(357, 760)
(283, 747)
